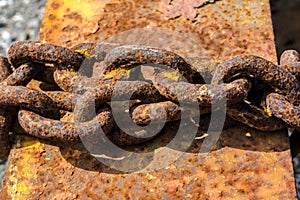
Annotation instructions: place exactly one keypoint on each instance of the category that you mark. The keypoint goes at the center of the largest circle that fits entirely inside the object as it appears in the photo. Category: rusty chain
(257, 92)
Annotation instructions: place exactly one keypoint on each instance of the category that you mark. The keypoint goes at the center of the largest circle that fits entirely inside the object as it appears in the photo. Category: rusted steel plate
(221, 29)
(245, 164)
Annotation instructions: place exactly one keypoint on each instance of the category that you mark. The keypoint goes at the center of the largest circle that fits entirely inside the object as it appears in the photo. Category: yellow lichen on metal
(117, 72)
(84, 52)
(20, 185)
(172, 75)
(85, 7)
(69, 10)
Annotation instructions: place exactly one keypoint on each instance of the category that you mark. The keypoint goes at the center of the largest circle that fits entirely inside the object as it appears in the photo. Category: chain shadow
(237, 136)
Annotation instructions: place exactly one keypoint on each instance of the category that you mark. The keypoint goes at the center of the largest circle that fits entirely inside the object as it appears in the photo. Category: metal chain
(258, 93)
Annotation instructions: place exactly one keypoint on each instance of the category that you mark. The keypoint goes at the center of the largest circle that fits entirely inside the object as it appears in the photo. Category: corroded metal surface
(221, 29)
(245, 164)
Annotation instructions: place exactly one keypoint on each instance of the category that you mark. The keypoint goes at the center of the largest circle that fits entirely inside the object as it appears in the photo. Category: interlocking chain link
(257, 92)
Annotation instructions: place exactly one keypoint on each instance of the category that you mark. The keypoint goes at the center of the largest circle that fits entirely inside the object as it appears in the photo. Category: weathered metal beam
(245, 164)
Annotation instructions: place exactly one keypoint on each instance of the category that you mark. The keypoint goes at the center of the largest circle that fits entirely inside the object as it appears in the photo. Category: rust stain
(43, 171)
(220, 29)
(245, 164)
(187, 8)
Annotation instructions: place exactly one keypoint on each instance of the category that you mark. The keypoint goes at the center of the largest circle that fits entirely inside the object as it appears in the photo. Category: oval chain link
(66, 74)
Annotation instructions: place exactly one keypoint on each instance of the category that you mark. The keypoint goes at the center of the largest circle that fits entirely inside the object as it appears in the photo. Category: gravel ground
(20, 20)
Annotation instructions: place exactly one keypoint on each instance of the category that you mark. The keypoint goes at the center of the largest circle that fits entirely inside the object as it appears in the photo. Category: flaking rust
(185, 8)
(245, 164)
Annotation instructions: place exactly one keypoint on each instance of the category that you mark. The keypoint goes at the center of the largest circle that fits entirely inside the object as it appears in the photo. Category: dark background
(286, 23)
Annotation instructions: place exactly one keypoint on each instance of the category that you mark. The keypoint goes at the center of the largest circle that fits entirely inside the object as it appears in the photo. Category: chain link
(94, 70)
